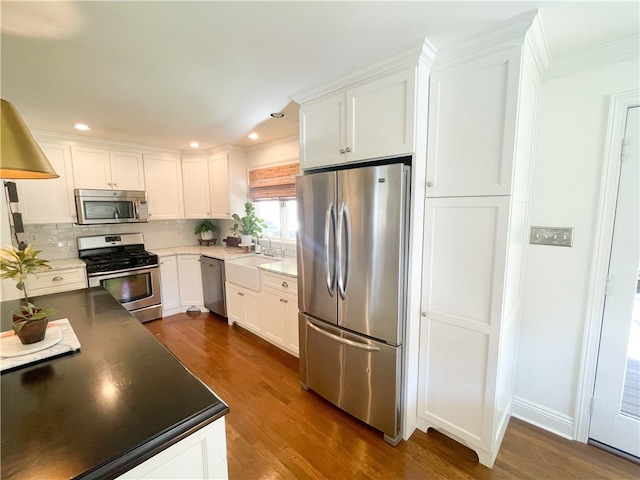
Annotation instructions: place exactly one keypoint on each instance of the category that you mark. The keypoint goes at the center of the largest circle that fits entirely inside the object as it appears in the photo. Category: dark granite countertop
(98, 412)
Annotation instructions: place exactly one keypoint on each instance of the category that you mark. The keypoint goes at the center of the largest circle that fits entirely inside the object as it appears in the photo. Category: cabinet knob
(424, 314)
(342, 150)
(348, 149)
(285, 284)
(429, 184)
(241, 294)
(57, 278)
(286, 301)
(115, 185)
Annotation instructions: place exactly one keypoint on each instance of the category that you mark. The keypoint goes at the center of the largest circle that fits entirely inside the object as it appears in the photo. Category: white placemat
(68, 343)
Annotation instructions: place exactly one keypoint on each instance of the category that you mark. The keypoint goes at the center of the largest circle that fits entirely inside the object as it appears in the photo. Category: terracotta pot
(33, 331)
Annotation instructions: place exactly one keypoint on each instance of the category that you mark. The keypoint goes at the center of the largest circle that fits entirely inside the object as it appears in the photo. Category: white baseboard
(543, 417)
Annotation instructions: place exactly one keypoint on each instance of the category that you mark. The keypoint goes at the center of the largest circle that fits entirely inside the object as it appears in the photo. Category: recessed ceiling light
(81, 126)
(253, 136)
(277, 115)
(194, 144)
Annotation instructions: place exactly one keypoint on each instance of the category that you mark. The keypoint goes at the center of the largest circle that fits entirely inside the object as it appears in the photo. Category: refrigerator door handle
(344, 255)
(351, 343)
(329, 265)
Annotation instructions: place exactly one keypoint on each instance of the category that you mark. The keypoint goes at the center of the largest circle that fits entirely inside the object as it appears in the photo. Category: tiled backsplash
(58, 240)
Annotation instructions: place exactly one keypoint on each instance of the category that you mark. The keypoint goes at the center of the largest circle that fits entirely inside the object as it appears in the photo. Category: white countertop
(221, 253)
(287, 267)
(65, 263)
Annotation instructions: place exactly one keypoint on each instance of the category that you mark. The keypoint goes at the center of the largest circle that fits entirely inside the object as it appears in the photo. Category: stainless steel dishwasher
(213, 285)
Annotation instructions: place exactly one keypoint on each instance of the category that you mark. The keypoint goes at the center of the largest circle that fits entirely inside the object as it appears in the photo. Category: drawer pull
(285, 284)
(57, 278)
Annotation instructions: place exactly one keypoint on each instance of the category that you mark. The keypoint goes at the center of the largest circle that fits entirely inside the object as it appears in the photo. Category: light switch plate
(559, 237)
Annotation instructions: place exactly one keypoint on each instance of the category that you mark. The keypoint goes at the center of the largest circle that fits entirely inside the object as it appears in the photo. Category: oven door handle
(120, 273)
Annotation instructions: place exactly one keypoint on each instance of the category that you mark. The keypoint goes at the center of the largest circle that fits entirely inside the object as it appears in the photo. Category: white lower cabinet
(279, 311)
(203, 454)
(190, 281)
(271, 313)
(169, 285)
(242, 307)
(473, 250)
(56, 281)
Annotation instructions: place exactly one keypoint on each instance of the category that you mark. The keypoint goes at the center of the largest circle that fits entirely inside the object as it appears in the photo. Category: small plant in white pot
(206, 229)
(30, 322)
(250, 225)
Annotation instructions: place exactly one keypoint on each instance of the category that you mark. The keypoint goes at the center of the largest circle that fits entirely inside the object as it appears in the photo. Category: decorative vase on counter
(206, 235)
(246, 239)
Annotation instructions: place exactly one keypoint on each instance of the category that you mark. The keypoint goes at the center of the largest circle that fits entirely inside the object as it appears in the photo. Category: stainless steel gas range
(120, 264)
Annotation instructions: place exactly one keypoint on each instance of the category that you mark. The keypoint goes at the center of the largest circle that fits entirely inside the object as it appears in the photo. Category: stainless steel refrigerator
(352, 238)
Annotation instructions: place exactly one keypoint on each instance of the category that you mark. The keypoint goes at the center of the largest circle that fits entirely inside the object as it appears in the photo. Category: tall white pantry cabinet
(482, 113)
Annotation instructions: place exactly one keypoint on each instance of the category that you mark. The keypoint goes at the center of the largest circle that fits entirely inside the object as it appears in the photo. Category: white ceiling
(166, 73)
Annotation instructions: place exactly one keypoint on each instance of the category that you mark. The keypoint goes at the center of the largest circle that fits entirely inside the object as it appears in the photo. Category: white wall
(285, 150)
(568, 165)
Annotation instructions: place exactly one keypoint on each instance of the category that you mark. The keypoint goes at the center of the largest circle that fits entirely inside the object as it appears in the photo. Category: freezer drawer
(359, 375)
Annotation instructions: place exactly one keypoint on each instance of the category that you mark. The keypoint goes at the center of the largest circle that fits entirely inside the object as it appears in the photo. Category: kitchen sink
(244, 271)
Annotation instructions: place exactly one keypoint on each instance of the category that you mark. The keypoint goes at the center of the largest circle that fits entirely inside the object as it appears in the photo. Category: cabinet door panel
(163, 180)
(235, 304)
(471, 134)
(196, 188)
(291, 313)
(91, 167)
(380, 117)
(322, 132)
(49, 201)
(169, 284)
(273, 321)
(464, 258)
(190, 278)
(127, 171)
(219, 187)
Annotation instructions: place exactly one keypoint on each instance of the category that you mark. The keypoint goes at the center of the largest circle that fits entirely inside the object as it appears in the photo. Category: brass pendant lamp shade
(21, 157)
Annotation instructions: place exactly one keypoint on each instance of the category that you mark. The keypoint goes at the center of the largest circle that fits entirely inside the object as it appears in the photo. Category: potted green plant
(30, 322)
(250, 225)
(206, 229)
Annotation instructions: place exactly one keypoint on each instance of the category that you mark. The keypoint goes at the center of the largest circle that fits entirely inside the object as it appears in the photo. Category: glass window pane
(291, 213)
(269, 211)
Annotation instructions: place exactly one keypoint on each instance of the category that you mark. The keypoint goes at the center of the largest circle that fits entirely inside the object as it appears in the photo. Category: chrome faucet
(267, 251)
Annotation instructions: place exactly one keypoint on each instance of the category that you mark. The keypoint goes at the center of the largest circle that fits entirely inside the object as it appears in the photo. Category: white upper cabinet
(215, 186)
(163, 179)
(472, 126)
(98, 168)
(371, 119)
(227, 182)
(196, 187)
(49, 201)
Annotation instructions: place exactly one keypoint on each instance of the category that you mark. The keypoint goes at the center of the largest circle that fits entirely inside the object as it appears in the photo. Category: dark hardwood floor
(275, 429)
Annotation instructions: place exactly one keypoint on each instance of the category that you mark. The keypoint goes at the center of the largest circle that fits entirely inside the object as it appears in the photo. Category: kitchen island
(122, 401)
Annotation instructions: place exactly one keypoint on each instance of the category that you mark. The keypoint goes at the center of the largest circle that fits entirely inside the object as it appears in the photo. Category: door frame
(618, 105)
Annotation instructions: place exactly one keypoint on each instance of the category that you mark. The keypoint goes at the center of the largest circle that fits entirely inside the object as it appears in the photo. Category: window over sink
(273, 191)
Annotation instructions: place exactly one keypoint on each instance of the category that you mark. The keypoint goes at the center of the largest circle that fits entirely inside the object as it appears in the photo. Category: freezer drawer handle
(351, 343)
(329, 266)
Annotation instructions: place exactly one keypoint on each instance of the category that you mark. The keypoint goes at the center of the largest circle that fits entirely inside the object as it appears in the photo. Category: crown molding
(72, 140)
(623, 50)
(421, 51)
(510, 33)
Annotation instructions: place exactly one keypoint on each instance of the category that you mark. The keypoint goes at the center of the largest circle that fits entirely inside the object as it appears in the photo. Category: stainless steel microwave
(95, 207)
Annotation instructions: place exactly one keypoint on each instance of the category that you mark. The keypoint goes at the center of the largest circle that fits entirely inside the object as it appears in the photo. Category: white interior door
(615, 420)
